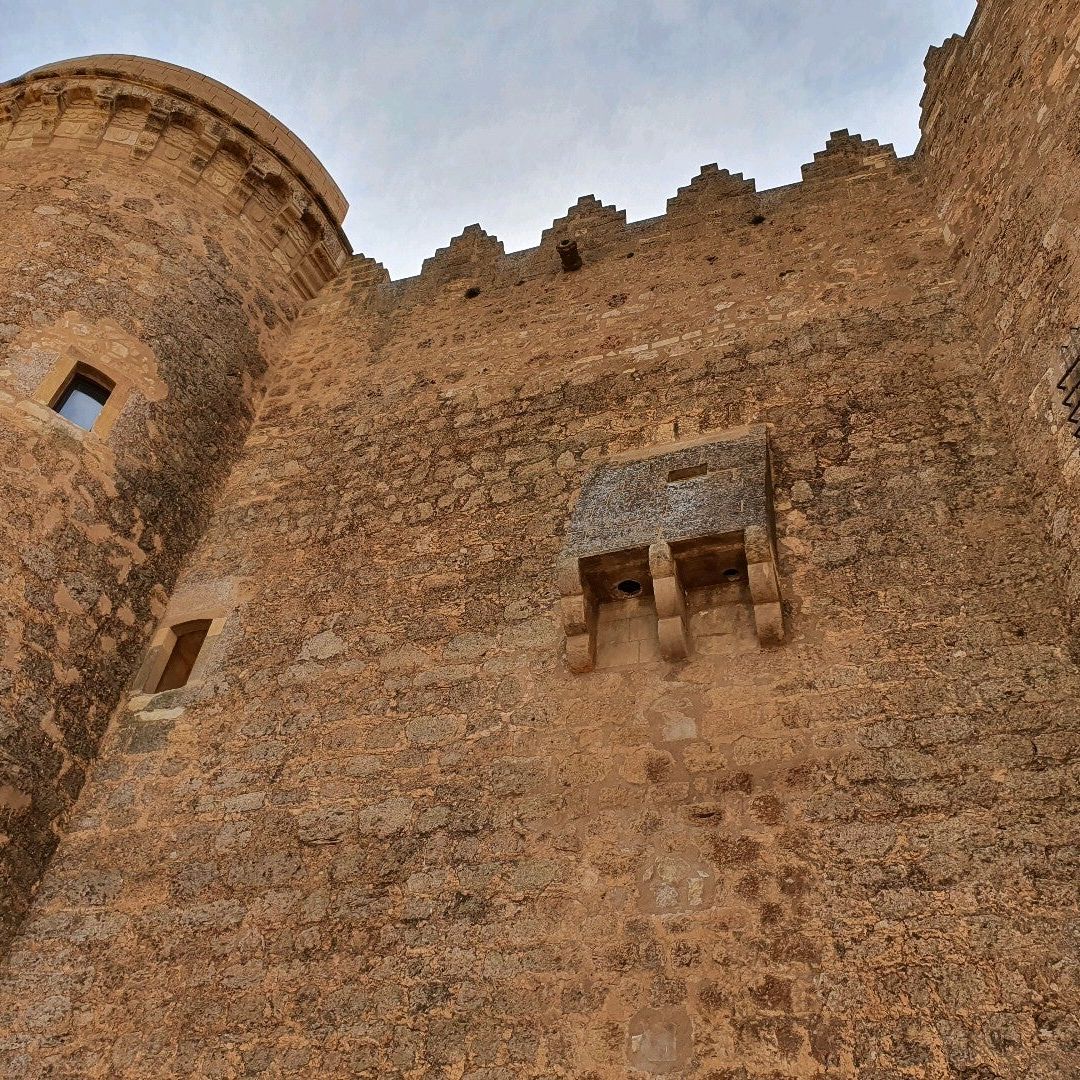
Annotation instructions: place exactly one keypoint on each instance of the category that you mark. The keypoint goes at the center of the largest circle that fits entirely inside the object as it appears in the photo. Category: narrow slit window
(190, 637)
(82, 399)
(691, 472)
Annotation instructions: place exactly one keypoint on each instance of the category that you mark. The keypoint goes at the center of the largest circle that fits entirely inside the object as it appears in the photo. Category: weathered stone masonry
(387, 831)
(1001, 124)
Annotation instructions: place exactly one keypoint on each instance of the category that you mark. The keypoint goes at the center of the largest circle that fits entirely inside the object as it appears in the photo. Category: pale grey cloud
(432, 114)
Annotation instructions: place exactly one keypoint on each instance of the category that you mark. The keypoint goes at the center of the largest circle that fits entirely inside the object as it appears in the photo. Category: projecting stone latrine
(646, 654)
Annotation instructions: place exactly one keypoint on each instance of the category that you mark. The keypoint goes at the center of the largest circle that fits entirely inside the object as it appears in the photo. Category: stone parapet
(200, 132)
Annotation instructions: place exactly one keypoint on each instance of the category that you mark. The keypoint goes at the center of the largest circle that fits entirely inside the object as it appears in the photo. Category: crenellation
(472, 254)
(362, 273)
(713, 190)
(602, 232)
(848, 156)
(595, 227)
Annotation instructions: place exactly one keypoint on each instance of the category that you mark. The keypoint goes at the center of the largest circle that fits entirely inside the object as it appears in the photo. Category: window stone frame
(64, 371)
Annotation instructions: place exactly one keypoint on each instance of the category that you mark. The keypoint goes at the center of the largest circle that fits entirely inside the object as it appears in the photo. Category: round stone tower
(160, 232)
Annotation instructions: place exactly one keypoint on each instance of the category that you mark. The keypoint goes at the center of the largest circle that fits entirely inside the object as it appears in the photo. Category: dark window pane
(82, 401)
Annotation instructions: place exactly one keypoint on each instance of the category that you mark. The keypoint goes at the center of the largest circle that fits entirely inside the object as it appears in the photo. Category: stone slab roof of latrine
(220, 99)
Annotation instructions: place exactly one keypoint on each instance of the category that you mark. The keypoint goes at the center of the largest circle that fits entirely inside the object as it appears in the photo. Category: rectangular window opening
(190, 637)
(690, 472)
(82, 399)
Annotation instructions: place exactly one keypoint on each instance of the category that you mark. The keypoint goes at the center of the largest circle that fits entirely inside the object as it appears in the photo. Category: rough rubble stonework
(385, 831)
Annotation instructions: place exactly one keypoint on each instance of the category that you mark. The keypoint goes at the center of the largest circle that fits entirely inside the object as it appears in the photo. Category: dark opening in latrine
(690, 472)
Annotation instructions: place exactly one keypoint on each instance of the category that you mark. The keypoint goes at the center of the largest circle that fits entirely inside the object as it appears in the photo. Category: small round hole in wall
(472, 292)
(629, 587)
(732, 573)
(758, 219)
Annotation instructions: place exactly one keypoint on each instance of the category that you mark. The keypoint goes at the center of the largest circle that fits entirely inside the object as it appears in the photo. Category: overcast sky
(432, 114)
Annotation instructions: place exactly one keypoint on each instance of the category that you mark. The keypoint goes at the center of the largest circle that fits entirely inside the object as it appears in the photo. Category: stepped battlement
(475, 258)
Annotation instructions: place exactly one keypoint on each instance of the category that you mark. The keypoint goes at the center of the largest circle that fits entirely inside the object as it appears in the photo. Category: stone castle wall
(388, 833)
(1001, 125)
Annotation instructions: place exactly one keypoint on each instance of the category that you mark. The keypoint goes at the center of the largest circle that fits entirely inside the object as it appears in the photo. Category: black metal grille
(1069, 383)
